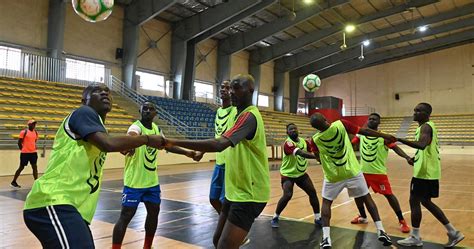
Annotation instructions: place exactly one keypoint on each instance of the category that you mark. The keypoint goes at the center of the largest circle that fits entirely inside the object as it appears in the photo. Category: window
(10, 58)
(83, 70)
(262, 100)
(203, 90)
(153, 82)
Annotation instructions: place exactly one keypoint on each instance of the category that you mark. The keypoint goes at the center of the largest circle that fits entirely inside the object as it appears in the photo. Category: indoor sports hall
(153, 77)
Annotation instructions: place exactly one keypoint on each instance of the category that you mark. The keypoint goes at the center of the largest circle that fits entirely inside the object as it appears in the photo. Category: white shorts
(356, 187)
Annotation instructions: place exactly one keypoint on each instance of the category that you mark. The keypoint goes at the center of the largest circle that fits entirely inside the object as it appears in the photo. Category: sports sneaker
(410, 241)
(15, 185)
(275, 223)
(325, 244)
(404, 226)
(454, 239)
(384, 238)
(318, 222)
(245, 242)
(359, 220)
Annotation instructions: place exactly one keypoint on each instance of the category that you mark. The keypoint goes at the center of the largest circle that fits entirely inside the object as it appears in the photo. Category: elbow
(106, 147)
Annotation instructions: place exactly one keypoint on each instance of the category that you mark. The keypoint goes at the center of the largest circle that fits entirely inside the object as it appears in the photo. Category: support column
(255, 70)
(279, 87)
(182, 67)
(56, 22)
(294, 91)
(223, 65)
(130, 50)
(55, 43)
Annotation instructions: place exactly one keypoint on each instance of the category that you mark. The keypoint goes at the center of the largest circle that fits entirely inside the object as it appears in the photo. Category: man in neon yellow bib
(373, 158)
(426, 175)
(247, 180)
(341, 170)
(62, 202)
(293, 170)
(225, 116)
(141, 183)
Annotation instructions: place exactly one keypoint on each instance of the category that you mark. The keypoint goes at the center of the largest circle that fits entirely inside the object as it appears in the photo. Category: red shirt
(29, 141)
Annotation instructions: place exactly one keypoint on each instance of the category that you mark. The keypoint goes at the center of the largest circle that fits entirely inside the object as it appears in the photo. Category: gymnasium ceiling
(306, 38)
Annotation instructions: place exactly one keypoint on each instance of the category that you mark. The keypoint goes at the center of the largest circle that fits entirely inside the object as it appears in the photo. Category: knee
(287, 195)
(426, 202)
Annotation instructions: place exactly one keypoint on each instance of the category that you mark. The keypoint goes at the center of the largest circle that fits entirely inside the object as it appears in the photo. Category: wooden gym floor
(187, 220)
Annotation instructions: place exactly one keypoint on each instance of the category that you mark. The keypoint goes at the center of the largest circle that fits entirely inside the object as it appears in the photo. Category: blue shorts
(131, 197)
(59, 226)
(217, 191)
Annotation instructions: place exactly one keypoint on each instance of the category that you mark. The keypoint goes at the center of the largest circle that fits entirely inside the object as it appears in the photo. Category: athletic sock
(450, 228)
(399, 215)
(116, 246)
(379, 226)
(317, 216)
(326, 232)
(415, 232)
(148, 241)
(276, 216)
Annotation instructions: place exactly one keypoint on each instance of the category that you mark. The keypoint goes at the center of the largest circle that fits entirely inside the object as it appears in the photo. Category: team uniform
(373, 156)
(141, 183)
(62, 202)
(340, 166)
(225, 118)
(293, 167)
(28, 150)
(427, 167)
(247, 178)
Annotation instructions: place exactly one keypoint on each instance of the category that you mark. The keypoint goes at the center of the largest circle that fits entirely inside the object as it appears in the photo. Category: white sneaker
(454, 239)
(410, 241)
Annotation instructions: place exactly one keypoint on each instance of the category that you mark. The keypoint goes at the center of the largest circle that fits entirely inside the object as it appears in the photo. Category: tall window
(83, 70)
(153, 82)
(263, 100)
(10, 58)
(203, 90)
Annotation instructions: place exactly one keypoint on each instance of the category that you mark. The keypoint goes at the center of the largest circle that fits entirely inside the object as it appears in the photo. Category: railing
(357, 111)
(20, 64)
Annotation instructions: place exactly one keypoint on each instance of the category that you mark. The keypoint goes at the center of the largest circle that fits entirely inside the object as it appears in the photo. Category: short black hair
(375, 114)
(428, 107)
(288, 125)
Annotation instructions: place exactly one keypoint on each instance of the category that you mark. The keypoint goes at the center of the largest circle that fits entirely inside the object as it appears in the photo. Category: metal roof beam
(266, 54)
(290, 63)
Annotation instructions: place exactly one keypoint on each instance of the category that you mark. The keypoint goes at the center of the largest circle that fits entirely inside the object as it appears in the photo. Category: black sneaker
(325, 244)
(385, 238)
(275, 223)
(15, 185)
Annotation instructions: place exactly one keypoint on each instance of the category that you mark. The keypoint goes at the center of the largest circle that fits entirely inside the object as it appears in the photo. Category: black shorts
(242, 214)
(424, 188)
(298, 180)
(28, 157)
(59, 226)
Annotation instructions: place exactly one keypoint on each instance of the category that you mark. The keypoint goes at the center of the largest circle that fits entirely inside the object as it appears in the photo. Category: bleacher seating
(48, 103)
(193, 114)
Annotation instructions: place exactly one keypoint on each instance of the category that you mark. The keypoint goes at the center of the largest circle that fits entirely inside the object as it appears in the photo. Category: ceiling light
(289, 54)
(308, 1)
(366, 43)
(264, 43)
(349, 28)
(423, 28)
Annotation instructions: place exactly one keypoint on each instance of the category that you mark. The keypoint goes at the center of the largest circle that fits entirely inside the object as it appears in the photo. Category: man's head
(31, 124)
(147, 111)
(373, 121)
(241, 90)
(318, 121)
(98, 97)
(225, 91)
(292, 131)
(422, 112)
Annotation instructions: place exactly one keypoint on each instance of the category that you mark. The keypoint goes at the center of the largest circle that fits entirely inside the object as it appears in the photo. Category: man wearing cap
(27, 145)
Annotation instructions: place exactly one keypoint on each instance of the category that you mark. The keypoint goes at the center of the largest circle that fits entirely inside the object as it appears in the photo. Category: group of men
(62, 202)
